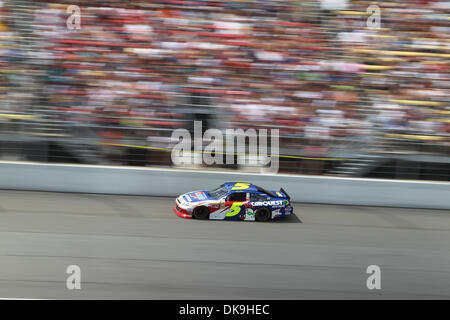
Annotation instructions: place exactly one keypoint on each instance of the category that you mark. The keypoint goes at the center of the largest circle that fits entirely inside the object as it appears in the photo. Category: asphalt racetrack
(136, 248)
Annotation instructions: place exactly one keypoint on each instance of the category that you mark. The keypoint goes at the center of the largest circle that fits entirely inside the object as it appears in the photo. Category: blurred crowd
(323, 76)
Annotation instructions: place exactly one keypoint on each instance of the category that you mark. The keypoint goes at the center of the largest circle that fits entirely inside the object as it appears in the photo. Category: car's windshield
(219, 192)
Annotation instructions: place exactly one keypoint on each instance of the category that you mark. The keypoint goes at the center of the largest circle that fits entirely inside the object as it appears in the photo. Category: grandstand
(348, 99)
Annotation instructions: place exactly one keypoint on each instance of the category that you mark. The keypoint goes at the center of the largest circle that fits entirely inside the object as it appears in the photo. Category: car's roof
(248, 187)
(242, 186)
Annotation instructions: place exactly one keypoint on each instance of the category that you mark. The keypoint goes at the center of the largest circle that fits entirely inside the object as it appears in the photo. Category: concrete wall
(171, 182)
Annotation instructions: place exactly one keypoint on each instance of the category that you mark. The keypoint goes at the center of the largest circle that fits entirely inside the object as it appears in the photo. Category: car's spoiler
(287, 196)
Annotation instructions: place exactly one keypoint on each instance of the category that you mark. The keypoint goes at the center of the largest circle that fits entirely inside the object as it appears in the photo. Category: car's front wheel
(262, 214)
(201, 213)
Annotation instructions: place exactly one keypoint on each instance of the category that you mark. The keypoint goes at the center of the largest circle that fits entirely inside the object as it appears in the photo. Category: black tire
(201, 213)
(263, 215)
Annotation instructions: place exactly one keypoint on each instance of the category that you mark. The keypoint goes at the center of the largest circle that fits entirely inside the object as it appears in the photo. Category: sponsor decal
(199, 195)
(267, 203)
(249, 215)
(276, 213)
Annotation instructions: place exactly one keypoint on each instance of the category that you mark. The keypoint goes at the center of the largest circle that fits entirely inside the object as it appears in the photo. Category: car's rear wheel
(201, 213)
(263, 215)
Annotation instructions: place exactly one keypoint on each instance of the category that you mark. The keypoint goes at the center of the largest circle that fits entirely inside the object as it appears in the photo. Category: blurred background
(349, 100)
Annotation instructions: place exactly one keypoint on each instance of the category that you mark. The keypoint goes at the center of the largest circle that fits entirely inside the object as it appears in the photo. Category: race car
(234, 201)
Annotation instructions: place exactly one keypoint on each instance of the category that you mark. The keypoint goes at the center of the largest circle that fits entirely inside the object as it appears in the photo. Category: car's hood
(196, 196)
